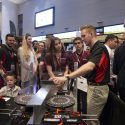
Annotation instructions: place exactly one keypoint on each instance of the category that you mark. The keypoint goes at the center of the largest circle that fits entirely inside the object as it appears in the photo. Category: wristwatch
(68, 78)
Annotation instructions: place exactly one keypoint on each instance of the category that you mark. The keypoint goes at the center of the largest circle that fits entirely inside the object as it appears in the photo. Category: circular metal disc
(60, 101)
(23, 99)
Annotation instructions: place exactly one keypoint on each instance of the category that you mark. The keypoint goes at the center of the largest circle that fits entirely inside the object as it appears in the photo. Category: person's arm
(2, 56)
(2, 91)
(66, 70)
(2, 73)
(48, 62)
(36, 64)
(50, 72)
(80, 71)
(89, 66)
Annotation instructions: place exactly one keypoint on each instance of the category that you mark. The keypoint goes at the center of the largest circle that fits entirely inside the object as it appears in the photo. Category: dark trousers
(81, 101)
(114, 87)
(122, 93)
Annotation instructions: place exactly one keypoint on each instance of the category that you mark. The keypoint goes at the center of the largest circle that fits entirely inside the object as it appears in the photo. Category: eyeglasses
(77, 43)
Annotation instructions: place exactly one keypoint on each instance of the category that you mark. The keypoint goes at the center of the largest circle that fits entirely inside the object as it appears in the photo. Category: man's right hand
(59, 81)
(2, 72)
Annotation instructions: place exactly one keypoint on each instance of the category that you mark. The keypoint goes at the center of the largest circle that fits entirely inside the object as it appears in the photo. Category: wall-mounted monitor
(100, 30)
(45, 17)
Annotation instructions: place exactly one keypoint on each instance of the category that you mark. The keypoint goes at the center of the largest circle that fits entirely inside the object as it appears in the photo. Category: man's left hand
(59, 81)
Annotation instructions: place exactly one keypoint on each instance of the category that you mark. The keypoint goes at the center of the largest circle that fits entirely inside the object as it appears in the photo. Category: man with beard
(8, 58)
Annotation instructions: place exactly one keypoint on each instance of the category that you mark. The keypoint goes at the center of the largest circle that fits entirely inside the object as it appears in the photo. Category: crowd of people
(25, 67)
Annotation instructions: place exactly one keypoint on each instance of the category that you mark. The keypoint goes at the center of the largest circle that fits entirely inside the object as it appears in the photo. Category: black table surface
(10, 105)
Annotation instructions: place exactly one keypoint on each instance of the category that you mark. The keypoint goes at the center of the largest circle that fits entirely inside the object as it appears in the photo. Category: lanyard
(57, 63)
(79, 58)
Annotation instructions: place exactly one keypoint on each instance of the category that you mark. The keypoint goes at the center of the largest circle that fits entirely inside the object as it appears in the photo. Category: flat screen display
(45, 17)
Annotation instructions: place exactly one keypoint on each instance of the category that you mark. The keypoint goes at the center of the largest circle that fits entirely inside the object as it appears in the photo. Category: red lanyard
(79, 58)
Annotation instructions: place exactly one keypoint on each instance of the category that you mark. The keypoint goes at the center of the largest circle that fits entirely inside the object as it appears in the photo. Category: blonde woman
(28, 63)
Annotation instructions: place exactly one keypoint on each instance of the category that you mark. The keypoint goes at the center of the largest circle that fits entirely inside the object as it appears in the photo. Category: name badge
(82, 84)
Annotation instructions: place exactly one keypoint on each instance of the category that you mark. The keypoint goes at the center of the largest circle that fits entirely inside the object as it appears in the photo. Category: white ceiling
(17, 1)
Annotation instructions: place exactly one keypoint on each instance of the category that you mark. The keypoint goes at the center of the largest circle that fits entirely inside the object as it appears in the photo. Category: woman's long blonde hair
(26, 48)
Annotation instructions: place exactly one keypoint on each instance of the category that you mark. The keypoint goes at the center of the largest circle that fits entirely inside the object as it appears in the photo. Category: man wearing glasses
(79, 57)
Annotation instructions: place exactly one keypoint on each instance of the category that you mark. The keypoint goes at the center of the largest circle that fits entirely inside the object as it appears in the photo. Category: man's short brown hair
(89, 28)
(77, 38)
(9, 35)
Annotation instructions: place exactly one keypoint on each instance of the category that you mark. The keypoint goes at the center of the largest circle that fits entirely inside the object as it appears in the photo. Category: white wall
(72, 14)
(9, 12)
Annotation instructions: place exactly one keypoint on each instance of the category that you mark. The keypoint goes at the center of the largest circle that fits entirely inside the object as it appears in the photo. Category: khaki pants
(96, 100)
